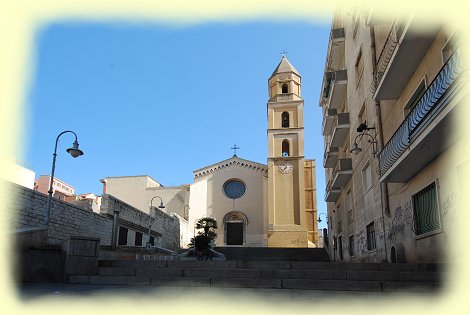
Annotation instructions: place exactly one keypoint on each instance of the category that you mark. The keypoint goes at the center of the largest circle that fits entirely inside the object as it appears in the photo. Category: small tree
(208, 225)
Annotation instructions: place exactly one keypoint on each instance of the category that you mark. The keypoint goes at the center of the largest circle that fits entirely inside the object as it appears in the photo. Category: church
(255, 205)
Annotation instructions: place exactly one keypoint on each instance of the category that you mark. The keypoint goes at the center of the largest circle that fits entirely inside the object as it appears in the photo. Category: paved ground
(29, 292)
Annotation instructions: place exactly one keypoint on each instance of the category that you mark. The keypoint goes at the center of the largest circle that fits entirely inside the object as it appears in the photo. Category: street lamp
(362, 129)
(161, 206)
(74, 151)
(319, 217)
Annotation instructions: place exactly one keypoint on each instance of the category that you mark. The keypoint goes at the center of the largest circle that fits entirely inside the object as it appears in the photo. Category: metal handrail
(386, 54)
(400, 140)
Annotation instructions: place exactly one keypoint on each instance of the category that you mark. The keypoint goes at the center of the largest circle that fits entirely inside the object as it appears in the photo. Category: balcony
(426, 131)
(330, 157)
(335, 53)
(328, 120)
(331, 195)
(340, 130)
(403, 51)
(337, 90)
(341, 173)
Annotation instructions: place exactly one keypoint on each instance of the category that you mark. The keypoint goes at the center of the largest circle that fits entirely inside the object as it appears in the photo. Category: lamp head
(74, 151)
(355, 150)
(319, 220)
(161, 206)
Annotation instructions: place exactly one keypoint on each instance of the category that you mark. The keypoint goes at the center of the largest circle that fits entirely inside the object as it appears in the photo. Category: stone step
(144, 272)
(263, 253)
(298, 265)
(278, 274)
(243, 282)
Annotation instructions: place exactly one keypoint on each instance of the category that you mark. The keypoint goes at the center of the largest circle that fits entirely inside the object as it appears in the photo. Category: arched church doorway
(235, 223)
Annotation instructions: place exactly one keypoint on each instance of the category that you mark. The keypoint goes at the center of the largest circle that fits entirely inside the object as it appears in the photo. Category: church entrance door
(234, 233)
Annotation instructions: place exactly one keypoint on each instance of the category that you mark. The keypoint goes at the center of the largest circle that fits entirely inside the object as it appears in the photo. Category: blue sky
(159, 100)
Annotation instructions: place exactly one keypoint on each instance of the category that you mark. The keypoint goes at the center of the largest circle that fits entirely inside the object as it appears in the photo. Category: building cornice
(233, 161)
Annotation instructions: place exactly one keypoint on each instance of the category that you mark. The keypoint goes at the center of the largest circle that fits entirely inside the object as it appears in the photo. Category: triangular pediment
(231, 162)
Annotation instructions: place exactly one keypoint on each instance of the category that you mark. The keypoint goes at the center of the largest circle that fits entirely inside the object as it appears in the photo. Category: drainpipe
(380, 140)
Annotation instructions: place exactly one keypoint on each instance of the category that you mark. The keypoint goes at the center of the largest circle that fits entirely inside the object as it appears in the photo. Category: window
(348, 200)
(138, 239)
(366, 178)
(285, 148)
(122, 240)
(285, 88)
(331, 222)
(152, 241)
(285, 120)
(234, 188)
(351, 246)
(426, 212)
(340, 247)
(370, 229)
(362, 117)
(415, 98)
(350, 218)
(359, 67)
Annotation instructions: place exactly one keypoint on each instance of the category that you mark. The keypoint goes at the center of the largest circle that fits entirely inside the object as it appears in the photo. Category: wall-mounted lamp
(319, 217)
(363, 130)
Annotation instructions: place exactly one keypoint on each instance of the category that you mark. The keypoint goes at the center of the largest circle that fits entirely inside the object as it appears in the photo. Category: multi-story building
(60, 189)
(390, 95)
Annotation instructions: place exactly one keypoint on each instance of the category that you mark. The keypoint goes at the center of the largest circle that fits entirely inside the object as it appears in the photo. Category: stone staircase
(270, 254)
(274, 273)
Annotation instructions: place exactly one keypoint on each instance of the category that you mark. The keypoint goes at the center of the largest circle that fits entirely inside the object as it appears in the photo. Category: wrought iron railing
(401, 139)
(386, 54)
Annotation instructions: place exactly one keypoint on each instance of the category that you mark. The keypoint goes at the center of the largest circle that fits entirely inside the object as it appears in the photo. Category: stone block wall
(27, 209)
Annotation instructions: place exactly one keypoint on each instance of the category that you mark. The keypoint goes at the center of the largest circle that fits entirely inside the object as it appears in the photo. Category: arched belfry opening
(235, 223)
(285, 148)
(285, 88)
(285, 120)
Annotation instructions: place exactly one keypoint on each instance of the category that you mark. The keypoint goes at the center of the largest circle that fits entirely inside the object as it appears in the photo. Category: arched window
(285, 120)
(285, 88)
(285, 148)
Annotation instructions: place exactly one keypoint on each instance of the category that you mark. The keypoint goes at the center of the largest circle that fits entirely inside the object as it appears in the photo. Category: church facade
(255, 205)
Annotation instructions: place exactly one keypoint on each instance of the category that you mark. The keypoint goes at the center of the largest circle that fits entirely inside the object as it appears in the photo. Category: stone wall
(27, 209)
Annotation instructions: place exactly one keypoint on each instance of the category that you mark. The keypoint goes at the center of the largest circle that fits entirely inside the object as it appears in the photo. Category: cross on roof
(234, 148)
(284, 52)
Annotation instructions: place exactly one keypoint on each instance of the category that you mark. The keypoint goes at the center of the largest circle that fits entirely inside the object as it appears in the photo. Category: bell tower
(286, 187)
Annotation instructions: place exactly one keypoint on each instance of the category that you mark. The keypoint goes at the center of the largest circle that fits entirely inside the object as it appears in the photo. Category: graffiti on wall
(402, 217)
(367, 255)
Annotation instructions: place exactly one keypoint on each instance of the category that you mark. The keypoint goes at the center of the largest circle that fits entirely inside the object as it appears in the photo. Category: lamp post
(74, 151)
(161, 206)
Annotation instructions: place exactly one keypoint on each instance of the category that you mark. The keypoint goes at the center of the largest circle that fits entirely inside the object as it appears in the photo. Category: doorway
(234, 233)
